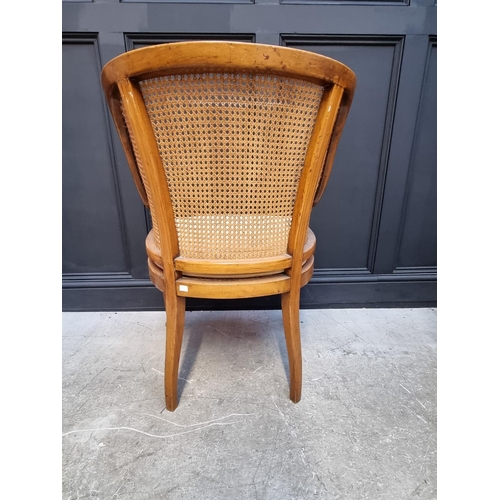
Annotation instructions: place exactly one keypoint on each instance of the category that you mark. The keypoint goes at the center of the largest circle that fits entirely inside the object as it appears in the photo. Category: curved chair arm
(332, 148)
(116, 112)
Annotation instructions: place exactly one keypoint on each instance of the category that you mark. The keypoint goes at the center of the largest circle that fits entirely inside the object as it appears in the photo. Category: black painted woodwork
(376, 223)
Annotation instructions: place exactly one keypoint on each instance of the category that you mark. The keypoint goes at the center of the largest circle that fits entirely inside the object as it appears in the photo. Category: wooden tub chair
(230, 146)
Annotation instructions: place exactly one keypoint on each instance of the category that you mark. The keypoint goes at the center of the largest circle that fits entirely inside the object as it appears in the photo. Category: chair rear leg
(175, 307)
(291, 322)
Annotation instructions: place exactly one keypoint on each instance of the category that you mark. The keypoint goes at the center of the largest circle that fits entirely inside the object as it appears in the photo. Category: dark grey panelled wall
(376, 223)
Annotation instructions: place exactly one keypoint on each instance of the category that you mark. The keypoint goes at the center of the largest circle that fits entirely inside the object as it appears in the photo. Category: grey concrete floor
(365, 428)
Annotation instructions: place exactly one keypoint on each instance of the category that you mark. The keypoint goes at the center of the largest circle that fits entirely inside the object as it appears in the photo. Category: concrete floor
(365, 428)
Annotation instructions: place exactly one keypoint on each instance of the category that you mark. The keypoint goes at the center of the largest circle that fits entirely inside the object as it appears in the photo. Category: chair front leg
(175, 308)
(290, 310)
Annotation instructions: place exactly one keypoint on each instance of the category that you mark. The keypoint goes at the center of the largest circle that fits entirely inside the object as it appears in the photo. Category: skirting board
(379, 291)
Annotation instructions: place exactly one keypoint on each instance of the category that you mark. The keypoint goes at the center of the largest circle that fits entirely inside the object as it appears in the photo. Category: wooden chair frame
(283, 275)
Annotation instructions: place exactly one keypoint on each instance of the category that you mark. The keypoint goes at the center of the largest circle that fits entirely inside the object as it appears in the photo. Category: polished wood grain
(345, 105)
(184, 57)
(175, 306)
(204, 288)
(236, 267)
(156, 275)
(242, 268)
(179, 276)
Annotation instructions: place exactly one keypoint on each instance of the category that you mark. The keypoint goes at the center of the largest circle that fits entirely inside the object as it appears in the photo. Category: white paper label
(183, 288)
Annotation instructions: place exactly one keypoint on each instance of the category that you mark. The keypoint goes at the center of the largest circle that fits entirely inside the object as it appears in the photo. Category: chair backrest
(230, 144)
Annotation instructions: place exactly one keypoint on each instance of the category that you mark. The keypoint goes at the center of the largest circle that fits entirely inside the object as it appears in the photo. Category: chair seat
(240, 268)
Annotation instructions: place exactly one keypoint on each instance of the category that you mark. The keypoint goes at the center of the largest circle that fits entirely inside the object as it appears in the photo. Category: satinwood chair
(230, 146)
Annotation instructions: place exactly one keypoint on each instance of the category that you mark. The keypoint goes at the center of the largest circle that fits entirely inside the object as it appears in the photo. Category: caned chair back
(236, 129)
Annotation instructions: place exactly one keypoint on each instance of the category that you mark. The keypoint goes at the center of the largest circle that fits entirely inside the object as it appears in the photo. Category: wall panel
(93, 240)
(376, 223)
(418, 243)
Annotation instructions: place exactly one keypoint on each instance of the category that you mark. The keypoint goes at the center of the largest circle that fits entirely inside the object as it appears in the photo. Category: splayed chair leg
(175, 307)
(291, 322)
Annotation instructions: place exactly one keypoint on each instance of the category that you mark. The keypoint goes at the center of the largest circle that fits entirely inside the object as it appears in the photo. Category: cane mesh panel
(233, 147)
